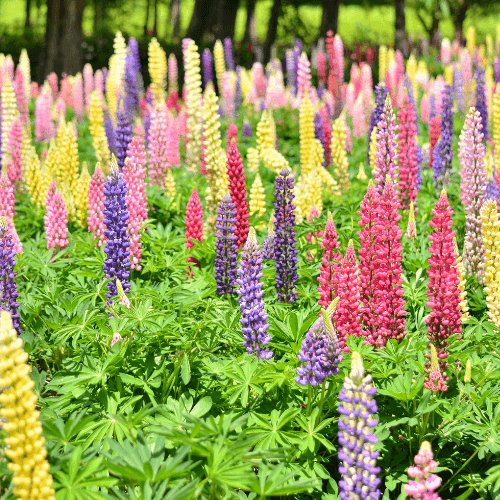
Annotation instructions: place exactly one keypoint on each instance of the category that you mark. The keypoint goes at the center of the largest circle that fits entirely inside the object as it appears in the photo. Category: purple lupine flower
(225, 246)
(246, 130)
(147, 125)
(432, 106)
(8, 286)
(104, 79)
(290, 68)
(443, 153)
(149, 97)
(458, 87)
(481, 103)
(411, 98)
(319, 132)
(132, 79)
(420, 159)
(285, 249)
(268, 245)
(116, 263)
(321, 91)
(253, 320)
(491, 189)
(380, 97)
(296, 56)
(497, 70)
(123, 137)
(228, 53)
(319, 353)
(238, 94)
(110, 131)
(206, 64)
(358, 458)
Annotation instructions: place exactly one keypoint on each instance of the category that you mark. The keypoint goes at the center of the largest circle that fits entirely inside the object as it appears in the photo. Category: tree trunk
(458, 20)
(175, 16)
(146, 20)
(199, 20)
(272, 30)
(250, 36)
(434, 30)
(155, 23)
(27, 21)
(400, 38)
(51, 39)
(227, 11)
(98, 17)
(330, 18)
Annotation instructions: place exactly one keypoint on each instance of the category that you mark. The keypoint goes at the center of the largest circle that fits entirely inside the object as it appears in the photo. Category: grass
(356, 23)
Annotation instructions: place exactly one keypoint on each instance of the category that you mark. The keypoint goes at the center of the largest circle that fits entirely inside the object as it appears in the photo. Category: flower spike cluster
(380, 98)
(423, 484)
(56, 219)
(443, 153)
(253, 320)
(194, 221)
(225, 246)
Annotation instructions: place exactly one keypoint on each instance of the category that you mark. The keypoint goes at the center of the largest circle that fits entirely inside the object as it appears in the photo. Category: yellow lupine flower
(339, 156)
(244, 82)
(170, 185)
(274, 160)
(9, 112)
(300, 201)
(120, 50)
(461, 286)
(99, 139)
(448, 74)
(67, 160)
(491, 243)
(490, 47)
(306, 130)
(253, 159)
(264, 133)
(220, 65)
(157, 66)
(111, 87)
(373, 149)
(382, 63)
(361, 172)
(257, 204)
(496, 124)
(24, 64)
(69, 200)
(411, 70)
(24, 444)
(471, 39)
(81, 195)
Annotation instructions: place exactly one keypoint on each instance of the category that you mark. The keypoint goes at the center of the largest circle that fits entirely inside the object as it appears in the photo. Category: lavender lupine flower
(319, 353)
(380, 97)
(358, 457)
(238, 94)
(206, 64)
(443, 153)
(132, 79)
(285, 250)
(253, 320)
(411, 98)
(420, 159)
(116, 263)
(123, 136)
(432, 106)
(290, 68)
(269, 242)
(8, 286)
(225, 246)
(319, 132)
(247, 129)
(458, 87)
(228, 53)
(110, 131)
(296, 56)
(147, 125)
(497, 70)
(321, 90)
(481, 103)
(492, 191)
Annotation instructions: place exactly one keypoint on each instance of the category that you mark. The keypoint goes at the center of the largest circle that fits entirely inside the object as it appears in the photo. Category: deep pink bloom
(20, 91)
(14, 163)
(44, 127)
(322, 68)
(134, 173)
(56, 220)
(88, 84)
(444, 293)
(423, 484)
(327, 132)
(194, 221)
(95, 215)
(53, 83)
(7, 197)
(78, 98)
(346, 318)
(157, 150)
(232, 133)
(408, 166)
(434, 135)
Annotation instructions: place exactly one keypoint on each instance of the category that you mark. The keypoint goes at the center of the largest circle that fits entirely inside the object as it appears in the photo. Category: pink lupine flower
(434, 135)
(7, 196)
(359, 125)
(425, 108)
(348, 137)
(194, 223)
(424, 484)
(330, 263)
(34, 90)
(366, 87)
(54, 86)
(20, 91)
(78, 97)
(173, 145)
(259, 80)
(60, 111)
(407, 154)
(157, 150)
(99, 84)
(14, 163)
(313, 236)
(44, 126)
(350, 98)
(322, 68)
(228, 95)
(11, 229)
(116, 338)
(472, 190)
(88, 84)
(232, 133)
(356, 79)
(444, 292)
(385, 156)
(435, 379)
(56, 222)
(346, 317)
(445, 52)
(303, 76)
(66, 93)
(95, 214)
(134, 173)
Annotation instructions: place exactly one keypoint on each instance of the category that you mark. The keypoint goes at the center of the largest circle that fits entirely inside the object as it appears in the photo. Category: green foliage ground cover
(177, 410)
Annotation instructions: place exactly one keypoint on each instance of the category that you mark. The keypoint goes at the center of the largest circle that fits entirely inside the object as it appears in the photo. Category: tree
(250, 26)
(458, 10)
(272, 29)
(227, 11)
(63, 38)
(330, 17)
(198, 24)
(400, 38)
(175, 19)
(436, 9)
(27, 21)
(146, 20)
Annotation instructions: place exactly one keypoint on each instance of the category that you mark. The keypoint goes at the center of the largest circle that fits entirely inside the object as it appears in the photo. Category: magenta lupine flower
(173, 145)
(385, 157)
(157, 150)
(423, 484)
(7, 196)
(134, 174)
(473, 190)
(56, 220)
(358, 458)
(95, 214)
(444, 293)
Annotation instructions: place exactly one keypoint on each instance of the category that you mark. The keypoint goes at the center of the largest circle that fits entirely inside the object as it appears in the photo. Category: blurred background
(63, 35)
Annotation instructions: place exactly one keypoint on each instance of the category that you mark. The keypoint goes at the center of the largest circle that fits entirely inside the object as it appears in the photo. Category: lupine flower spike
(330, 263)
(268, 245)
(358, 458)
(24, 443)
(423, 484)
(194, 221)
(225, 246)
(435, 379)
(253, 320)
(411, 231)
(56, 220)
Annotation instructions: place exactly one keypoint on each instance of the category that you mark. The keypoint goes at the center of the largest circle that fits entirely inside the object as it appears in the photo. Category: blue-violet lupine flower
(268, 245)
(123, 137)
(225, 246)
(497, 70)
(319, 132)
(443, 153)
(238, 93)
(380, 97)
(491, 189)
(228, 53)
(8, 286)
(206, 65)
(247, 129)
(358, 458)
(481, 103)
(253, 320)
(458, 87)
(116, 263)
(132, 79)
(420, 159)
(110, 131)
(285, 247)
(411, 97)
(432, 106)
(319, 353)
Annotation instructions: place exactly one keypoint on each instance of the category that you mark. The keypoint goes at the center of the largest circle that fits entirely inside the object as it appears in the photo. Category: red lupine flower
(232, 134)
(194, 221)
(327, 132)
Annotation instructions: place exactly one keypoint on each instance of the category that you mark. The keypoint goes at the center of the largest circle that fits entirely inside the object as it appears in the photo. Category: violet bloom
(296, 56)
(116, 263)
(238, 94)
(497, 70)
(147, 125)
(132, 79)
(420, 159)
(443, 153)
(481, 103)
(358, 458)
(228, 53)
(207, 69)
(104, 79)
(285, 249)
(319, 353)
(458, 87)
(246, 130)
(380, 97)
(8, 286)
(432, 106)
(253, 320)
(290, 68)
(491, 189)
(268, 245)
(123, 137)
(225, 246)
(319, 132)
(110, 131)
(411, 97)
